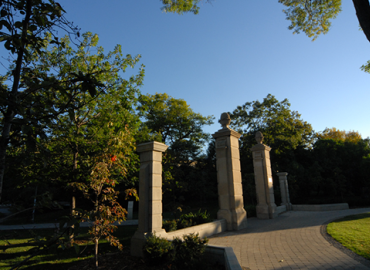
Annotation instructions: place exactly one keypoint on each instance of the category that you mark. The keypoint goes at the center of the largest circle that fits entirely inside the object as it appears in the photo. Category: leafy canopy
(340, 135)
(280, 126)
(311, 16)
(181, 6)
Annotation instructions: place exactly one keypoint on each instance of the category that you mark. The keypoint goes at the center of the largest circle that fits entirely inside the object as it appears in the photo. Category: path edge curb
(339, 246)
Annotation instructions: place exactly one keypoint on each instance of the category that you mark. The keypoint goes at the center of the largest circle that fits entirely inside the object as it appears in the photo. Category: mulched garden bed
(124, 261)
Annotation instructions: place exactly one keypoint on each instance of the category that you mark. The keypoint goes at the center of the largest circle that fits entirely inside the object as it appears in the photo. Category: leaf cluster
(311, 16)
(180, 254)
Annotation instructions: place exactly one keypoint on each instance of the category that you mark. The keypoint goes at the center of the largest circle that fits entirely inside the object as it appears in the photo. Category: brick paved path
(291, 241)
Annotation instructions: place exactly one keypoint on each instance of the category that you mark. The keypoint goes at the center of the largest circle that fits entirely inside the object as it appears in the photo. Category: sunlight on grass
(353, 232)
(20, 245)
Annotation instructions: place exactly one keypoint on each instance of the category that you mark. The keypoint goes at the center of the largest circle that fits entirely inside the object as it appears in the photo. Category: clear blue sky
(237, 51)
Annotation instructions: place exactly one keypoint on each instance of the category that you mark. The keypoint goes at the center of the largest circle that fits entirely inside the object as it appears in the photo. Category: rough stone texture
(150, 194)
(230, 192)
(293, 240)
(266, 207)
(283, 181)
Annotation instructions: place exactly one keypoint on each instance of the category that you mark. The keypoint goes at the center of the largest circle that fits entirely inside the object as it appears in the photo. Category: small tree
(106, 211)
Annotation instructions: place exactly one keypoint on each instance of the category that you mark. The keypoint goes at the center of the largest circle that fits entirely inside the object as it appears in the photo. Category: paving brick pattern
(291, 241)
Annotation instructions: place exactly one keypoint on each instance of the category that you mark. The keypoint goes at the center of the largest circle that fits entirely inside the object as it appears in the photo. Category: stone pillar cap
(259, 147)
(151, 146)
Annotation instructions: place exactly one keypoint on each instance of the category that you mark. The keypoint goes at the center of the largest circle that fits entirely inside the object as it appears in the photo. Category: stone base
(239, 219)
(266, 211)
(235, 219)
(138, 241)
(225, 214)
(288, 206)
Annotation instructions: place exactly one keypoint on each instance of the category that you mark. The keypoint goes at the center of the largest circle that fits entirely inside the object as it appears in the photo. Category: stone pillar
(150, 195)
(130, 209)
(285, 199)
(230, 191)
(266, 207)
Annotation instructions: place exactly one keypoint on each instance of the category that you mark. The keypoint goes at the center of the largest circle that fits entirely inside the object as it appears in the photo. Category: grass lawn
(353, 232)
(59, 259)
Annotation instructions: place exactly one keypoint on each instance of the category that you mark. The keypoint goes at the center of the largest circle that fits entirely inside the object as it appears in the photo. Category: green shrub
(192, 219)
(188, 252)
(157, 250)
(170, 225)
(180, 254)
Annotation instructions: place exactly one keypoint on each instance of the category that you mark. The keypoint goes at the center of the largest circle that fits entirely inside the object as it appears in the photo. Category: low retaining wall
(222, 255)
(320, 207)
(281, 209)
(204, 230)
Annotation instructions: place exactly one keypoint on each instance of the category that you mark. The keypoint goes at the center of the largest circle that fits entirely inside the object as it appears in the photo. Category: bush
(181, 254)
(187, 220)
(188, 252)
(157, 250)
(170, 225)
(191, 219)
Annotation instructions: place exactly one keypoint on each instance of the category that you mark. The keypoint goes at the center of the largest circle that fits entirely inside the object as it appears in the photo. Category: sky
(239, 51)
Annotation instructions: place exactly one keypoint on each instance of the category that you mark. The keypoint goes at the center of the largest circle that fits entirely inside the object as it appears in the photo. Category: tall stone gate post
(230, 191)
(266, 207)
(150, 194)
(283, 181)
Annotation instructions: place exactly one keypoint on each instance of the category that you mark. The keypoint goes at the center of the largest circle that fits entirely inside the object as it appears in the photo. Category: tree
(283, 130)
(87, 127)
(24, 23)
(181, 6)
(106, 209)
(341, 167)
(340, 135)
(311, 16)
(174, 122)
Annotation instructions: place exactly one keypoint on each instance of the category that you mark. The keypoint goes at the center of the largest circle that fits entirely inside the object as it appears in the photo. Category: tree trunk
(9, 115)
(363, 15)
(73, 199)
(96, 253)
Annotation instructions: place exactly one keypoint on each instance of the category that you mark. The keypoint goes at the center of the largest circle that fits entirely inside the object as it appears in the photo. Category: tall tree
(176, 124)
(91, 126)
(23, 24)
(283, 130)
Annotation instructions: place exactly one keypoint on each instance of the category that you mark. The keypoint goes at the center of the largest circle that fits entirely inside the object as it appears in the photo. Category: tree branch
(363, 15)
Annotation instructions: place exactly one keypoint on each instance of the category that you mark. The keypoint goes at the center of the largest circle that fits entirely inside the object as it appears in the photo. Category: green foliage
(340, 135)
(283, 130)
(23, 25)
(181, 254)
(107, 210)
(170, 225)
(311, 16)
(181, 6)
(174, 123)
(192, 219)
(89, 126)
(173, 120)
(189, 251)
(187, 220)
(157, 250)
(353, 233)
